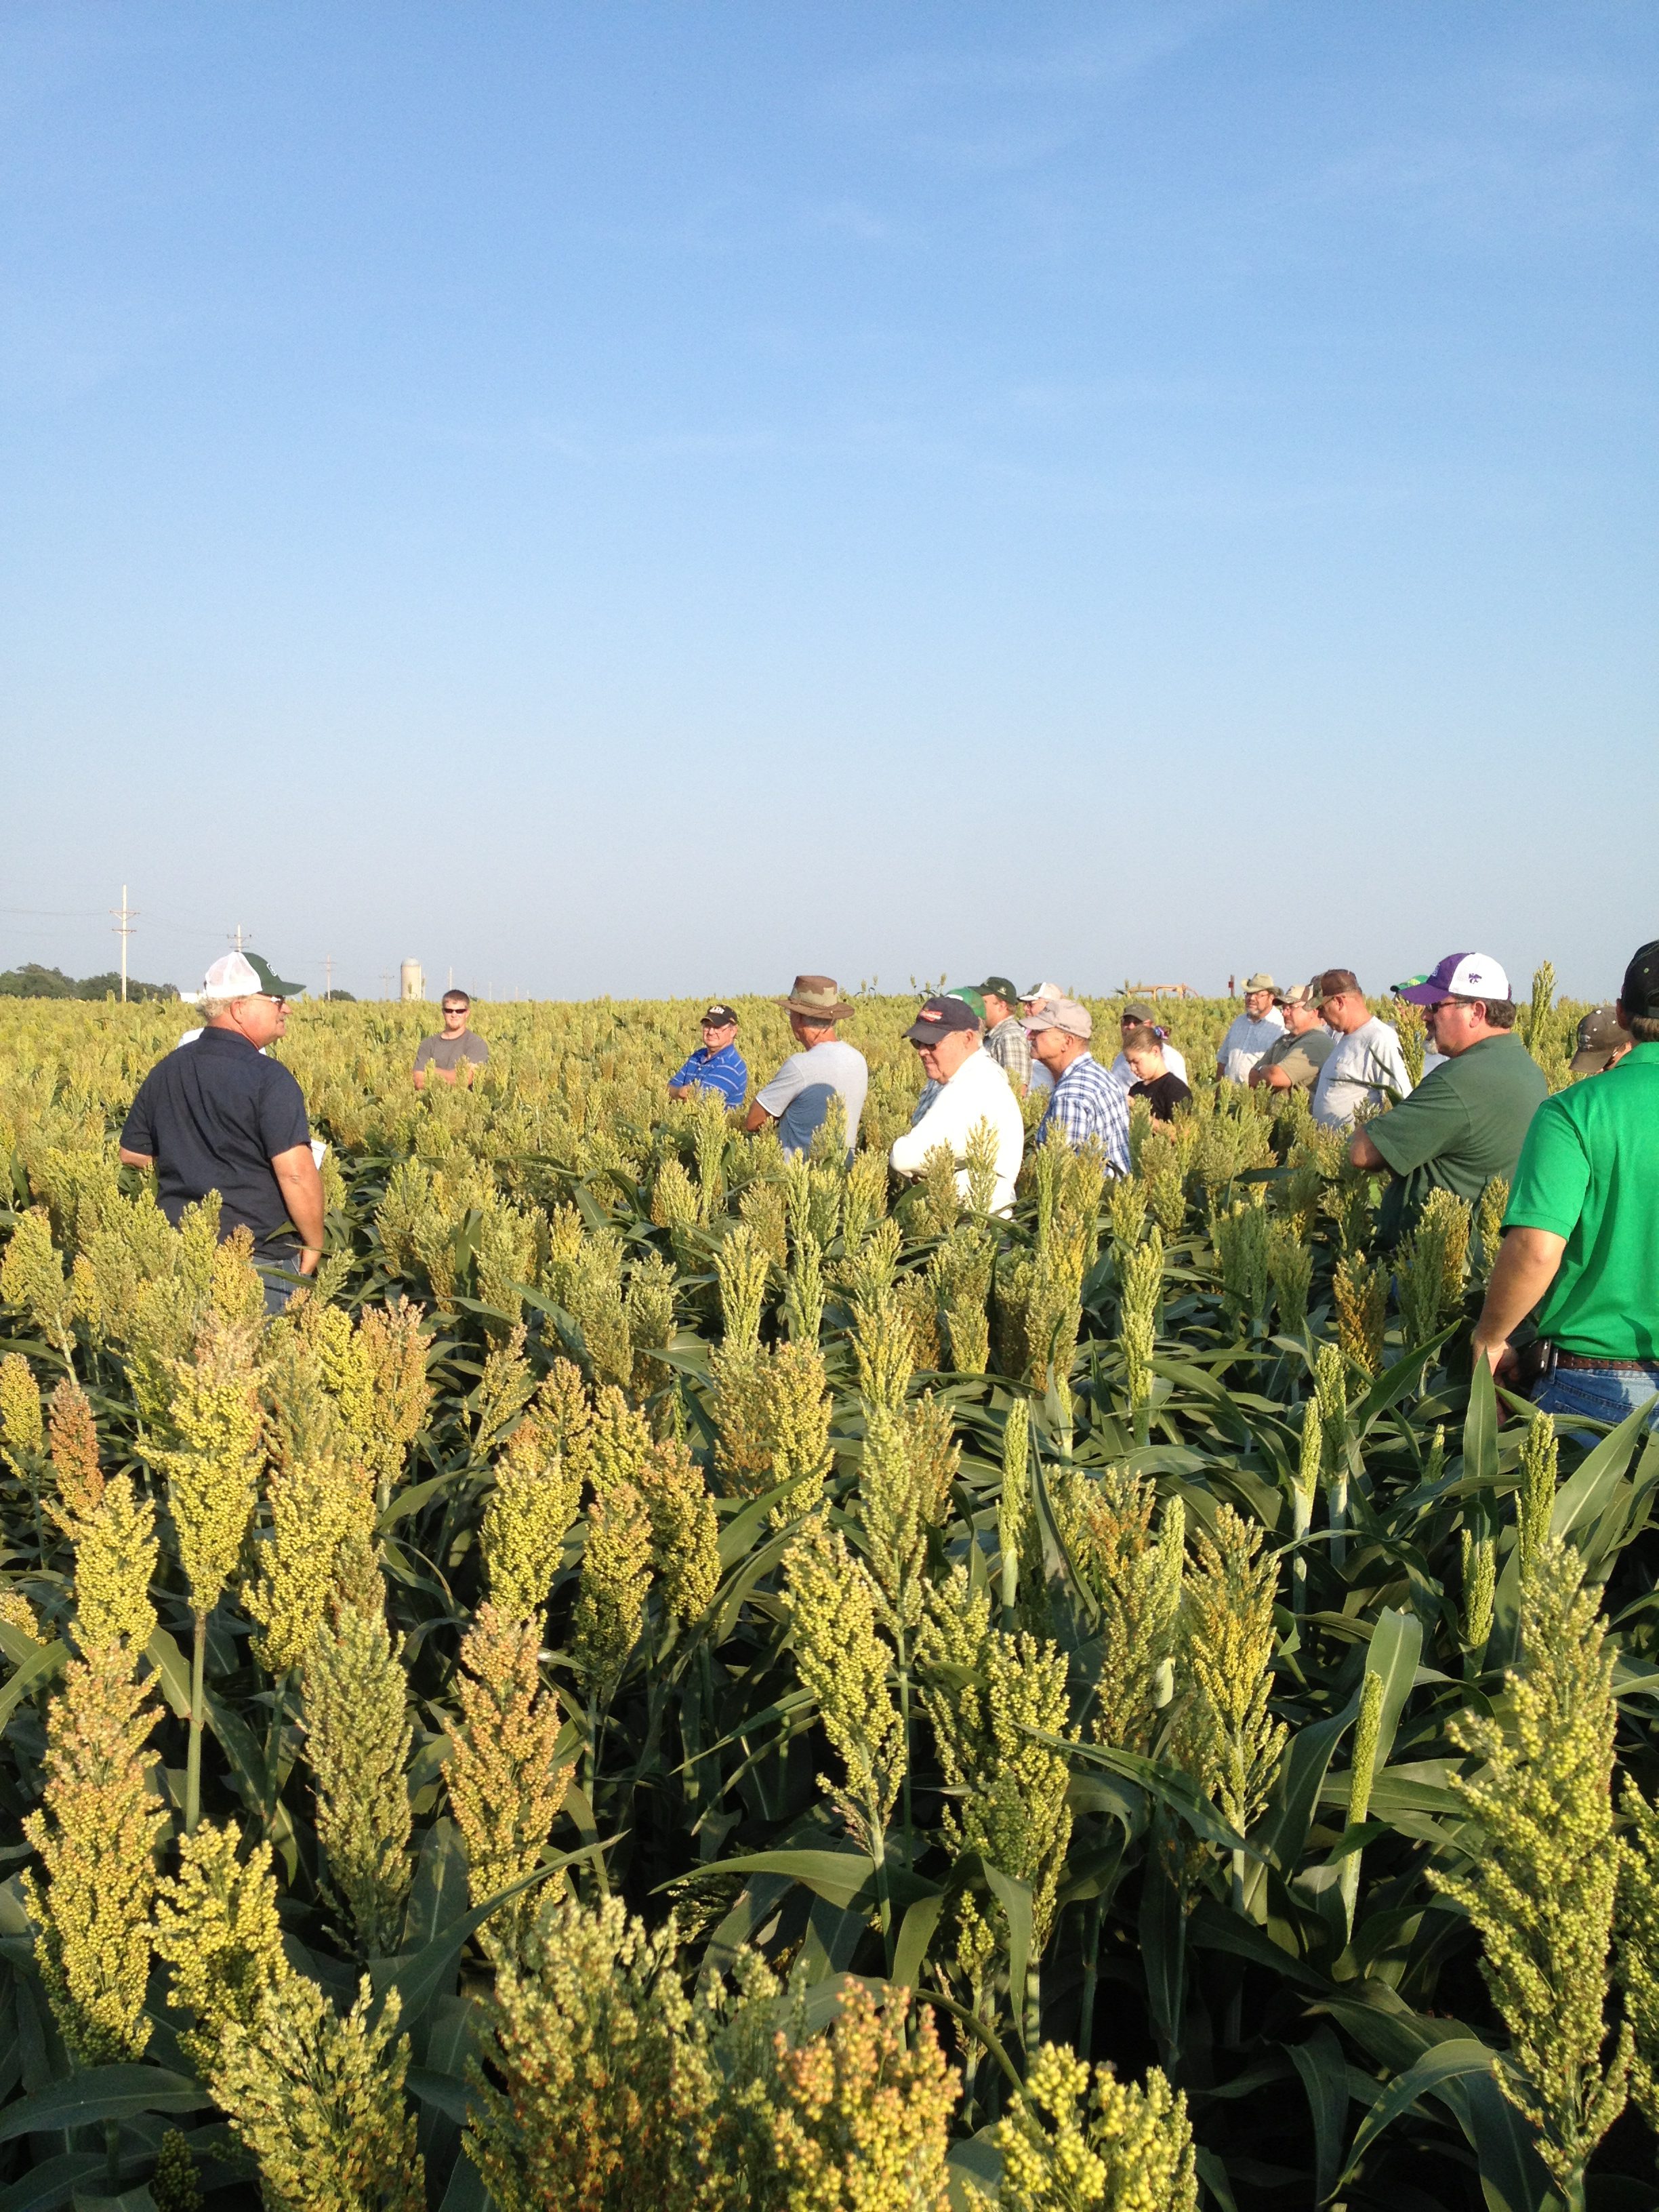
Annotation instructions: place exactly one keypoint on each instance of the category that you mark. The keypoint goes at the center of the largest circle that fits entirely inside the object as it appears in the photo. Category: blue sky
(646, 498)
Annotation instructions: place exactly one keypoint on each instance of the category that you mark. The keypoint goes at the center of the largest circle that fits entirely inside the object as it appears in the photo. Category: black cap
(939, 1015)
(718, 1015)
(1640, 996)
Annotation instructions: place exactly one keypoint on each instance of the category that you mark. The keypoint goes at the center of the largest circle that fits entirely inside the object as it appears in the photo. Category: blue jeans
(1598, 1394)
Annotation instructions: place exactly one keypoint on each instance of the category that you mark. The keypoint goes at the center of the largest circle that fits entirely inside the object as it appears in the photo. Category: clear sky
(647, 498)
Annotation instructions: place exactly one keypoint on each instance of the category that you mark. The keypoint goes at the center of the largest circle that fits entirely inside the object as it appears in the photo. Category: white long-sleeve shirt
(978, 1091)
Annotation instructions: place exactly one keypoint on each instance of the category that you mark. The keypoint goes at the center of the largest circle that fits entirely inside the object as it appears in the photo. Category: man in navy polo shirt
(217, 1114)
(717, 1065)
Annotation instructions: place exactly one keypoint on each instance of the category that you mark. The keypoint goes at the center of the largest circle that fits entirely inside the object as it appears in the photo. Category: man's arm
(757, 1117)
(1529, 1261)
(938, 1126)
(301, 1181)
(131, 1159)
(1363, 1153)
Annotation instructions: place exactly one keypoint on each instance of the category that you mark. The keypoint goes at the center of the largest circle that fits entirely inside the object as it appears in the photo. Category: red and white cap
(1459, 975)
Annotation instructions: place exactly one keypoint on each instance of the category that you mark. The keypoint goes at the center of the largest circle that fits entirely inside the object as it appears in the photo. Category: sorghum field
(674, 1679)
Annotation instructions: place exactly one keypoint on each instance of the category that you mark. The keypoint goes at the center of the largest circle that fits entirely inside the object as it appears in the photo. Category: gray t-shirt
(799, 1095)
(448, 1053)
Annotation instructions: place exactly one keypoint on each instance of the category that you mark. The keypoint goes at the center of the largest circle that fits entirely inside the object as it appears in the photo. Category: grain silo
(413, 982)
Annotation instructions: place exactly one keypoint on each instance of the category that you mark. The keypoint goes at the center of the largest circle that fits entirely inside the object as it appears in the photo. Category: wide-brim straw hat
(817, 999)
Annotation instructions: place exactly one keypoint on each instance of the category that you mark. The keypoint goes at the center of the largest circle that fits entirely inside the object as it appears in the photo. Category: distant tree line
(32, 980)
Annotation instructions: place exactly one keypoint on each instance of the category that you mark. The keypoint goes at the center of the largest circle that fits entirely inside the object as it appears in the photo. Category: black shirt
(1166, 1094)
(213, 1116)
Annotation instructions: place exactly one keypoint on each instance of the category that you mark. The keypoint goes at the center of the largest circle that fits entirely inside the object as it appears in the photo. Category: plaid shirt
(1011, 1048)
(1088, 1101)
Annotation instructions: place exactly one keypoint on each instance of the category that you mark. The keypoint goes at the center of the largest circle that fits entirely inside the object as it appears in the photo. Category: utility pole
(385, 982)
(126, 914)
(238, 936)
(328, 976)
(450, 985)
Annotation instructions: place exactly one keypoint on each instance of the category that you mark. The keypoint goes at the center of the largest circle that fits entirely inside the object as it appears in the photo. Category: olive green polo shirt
(1464, 1123)
(1301, 1057)
(1590, 1172)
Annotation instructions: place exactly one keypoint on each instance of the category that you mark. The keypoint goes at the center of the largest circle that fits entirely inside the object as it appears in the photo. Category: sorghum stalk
(358, 1739)
(1143, 1283)
(1366, 1736)
(1014, 1505)
(211, 1467)
(1304, 1488)
(1534, 1499)
(833, 1605)
(1331, 1389)
(1076, 2139)
(1479, 1561)
(505, 1785)
(1541, 1887)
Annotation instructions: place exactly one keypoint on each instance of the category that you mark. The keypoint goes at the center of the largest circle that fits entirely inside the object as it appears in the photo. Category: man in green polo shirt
(1466, 1121)
(1583, 1228)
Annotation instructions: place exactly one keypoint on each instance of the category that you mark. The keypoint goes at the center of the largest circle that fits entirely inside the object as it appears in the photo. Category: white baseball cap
(231, 976)
(1040, 992)
(1459, 975)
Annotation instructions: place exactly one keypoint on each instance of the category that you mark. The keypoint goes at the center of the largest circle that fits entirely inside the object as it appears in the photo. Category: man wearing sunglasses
(457, 1055)
(218, 1114)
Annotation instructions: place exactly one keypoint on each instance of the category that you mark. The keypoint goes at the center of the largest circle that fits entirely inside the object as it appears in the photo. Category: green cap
(272, 985)
(969, 996)
(999, 987)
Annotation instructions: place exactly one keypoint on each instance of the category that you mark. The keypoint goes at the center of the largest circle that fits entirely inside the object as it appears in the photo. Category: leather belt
(1614, 1366)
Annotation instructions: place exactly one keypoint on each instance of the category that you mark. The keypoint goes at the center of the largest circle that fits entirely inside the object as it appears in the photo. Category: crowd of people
(1572, 1310)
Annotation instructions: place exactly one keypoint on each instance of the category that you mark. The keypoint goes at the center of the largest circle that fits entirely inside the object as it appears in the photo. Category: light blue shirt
(799, 1095)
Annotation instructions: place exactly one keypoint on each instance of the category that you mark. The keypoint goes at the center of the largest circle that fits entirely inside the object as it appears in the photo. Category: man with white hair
(217, 1114)
(969, 1088)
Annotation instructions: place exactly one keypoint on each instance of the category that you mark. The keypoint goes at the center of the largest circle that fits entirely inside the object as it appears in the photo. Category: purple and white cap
(1459, 975)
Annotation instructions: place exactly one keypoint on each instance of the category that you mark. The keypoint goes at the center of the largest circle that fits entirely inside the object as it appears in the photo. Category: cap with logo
(719, 1016)
(272, 985)
(1459, 975)
(245, 975)
(1334, 983)
(1296, 995)
(1039, 992)
(938, 1017)
(1640, 993)
(999, 987)
(1063, 1014)
(1599, 1037)
(1259, 982)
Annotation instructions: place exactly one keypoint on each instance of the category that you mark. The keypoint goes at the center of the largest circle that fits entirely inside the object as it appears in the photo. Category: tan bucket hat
(1260, 982)
(818, 999)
